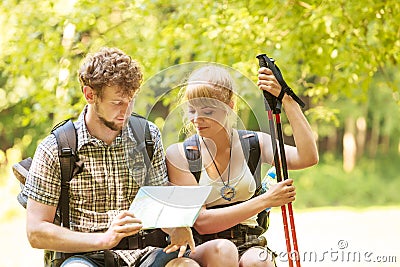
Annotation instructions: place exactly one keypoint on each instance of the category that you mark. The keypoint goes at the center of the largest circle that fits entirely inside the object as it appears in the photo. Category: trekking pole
(279, 179)
(271, 102)
(273, 105)
(285, 175)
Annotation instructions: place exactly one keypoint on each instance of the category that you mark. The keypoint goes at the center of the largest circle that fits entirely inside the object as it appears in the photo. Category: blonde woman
(229, 217)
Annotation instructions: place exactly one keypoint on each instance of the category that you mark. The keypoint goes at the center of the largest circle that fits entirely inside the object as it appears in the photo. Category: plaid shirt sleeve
(43, 183)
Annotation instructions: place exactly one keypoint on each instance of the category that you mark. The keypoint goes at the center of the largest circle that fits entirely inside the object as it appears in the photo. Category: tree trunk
(385, 144)
(361, 124)
(332, 145)
(349, 145)
(374, 140)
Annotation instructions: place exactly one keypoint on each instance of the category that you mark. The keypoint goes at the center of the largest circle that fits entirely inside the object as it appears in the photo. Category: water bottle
(269, 180)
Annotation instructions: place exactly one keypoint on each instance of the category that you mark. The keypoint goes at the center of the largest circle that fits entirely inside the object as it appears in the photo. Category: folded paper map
(169, 206)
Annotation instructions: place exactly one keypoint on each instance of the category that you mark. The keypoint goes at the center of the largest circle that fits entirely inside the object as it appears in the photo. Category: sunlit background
(341, 57)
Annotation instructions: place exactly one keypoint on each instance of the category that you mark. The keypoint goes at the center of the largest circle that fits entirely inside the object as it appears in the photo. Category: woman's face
(207, 119)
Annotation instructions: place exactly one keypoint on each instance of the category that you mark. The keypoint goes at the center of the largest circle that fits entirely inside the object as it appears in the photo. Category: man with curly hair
(100, 196)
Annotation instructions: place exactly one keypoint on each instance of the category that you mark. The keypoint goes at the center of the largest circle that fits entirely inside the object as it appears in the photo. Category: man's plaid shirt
(109, 182)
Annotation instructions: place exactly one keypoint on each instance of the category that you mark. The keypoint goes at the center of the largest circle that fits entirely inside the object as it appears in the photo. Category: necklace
(227, 192)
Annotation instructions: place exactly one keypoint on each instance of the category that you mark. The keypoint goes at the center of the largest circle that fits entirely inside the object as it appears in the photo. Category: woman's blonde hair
(211, 86)
(210, 82)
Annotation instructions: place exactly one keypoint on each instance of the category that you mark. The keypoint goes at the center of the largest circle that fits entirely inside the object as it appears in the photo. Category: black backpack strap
(141, 132)
(149, 142)
(250, 147)
(252, 152)
(66, 137)
(192, 151)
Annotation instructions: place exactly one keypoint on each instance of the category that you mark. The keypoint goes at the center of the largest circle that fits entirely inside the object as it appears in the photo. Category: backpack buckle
(149, 142)
(66, 152)
(247, 135)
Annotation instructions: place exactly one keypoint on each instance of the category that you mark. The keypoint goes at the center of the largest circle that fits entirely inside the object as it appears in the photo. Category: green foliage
(336, 54)
(374, 182)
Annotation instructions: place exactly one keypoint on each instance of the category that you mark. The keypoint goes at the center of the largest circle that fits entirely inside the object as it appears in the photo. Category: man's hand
(124, 224)
(280, 194)
(180, 238)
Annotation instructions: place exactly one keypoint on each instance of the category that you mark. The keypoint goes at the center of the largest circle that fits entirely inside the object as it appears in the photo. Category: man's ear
(88, 93)
(231, 104)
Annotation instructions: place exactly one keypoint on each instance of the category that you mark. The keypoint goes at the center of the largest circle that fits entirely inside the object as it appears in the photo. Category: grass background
(374, 182)
(361, 208)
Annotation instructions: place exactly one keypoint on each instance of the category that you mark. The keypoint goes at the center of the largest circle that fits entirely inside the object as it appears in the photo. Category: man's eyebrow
(117, 98)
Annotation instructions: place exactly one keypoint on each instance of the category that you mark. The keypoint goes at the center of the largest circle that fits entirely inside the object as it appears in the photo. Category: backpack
(251, 150)
(70, 165)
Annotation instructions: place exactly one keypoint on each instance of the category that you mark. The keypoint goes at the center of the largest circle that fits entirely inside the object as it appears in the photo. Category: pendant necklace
(227, 192)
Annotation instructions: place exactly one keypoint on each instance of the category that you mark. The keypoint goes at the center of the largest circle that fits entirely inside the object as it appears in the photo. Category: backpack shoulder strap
(66, 137)
(141, 132)
(252, 152)
(192, 152)
(250, 146)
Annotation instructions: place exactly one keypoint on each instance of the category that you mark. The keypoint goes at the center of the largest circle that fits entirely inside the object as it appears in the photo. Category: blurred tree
(339, 55)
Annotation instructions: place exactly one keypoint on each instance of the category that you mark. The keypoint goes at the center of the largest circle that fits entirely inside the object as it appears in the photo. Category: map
(169, 206)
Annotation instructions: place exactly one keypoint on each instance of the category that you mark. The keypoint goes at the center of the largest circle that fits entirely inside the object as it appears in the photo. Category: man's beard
(111, 125)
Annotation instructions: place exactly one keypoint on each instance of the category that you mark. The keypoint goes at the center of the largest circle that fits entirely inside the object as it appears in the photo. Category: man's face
(113, 108)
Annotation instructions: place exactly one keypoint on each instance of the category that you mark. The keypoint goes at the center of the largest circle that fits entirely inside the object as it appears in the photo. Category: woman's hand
(280, 194)
(268, 82)
(180, 238)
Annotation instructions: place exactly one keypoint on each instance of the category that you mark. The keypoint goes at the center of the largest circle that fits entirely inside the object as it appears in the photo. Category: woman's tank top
(243, 184)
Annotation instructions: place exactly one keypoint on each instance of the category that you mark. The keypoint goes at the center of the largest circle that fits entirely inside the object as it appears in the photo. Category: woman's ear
(88, 93)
